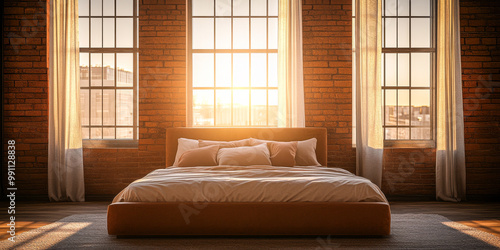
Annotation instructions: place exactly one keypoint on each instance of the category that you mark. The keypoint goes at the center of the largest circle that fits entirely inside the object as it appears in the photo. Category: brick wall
(327, 44)
(162, 100)
(480, 33)
(25, 90)
(162, 77)
(327, 81)
(327, 34)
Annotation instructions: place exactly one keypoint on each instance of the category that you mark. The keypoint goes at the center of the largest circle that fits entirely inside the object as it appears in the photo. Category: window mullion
(232, 63)
(135, 73)
(410, 88)
(247, 91)
(250, 64)
(215, 65)
(102, 70)
(99, 90)
(267, 63)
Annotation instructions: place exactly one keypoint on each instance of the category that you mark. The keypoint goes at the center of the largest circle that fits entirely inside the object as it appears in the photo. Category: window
(408, 59)
(233, 57)
(108, 70)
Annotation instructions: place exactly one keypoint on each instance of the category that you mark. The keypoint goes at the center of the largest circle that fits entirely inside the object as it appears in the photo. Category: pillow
(183, 145)
(205, 156)
(225, 144)
(244, 156)
(306, 151)
(282, 153)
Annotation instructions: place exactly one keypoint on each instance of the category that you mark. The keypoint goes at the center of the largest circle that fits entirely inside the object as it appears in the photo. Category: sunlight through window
(233, 63)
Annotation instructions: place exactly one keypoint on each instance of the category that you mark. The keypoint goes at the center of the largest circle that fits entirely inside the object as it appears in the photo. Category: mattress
(251, 184)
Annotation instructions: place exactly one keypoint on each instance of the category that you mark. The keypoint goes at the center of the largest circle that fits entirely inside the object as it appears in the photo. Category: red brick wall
(480, 33)
(327, 81)
(327, 75)
(327, 34)
(162, 100)
(25, 86)
(162, 77)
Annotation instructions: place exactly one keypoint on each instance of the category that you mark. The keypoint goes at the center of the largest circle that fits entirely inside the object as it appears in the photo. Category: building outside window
(408, 59)
(108, 69)
(408, 71)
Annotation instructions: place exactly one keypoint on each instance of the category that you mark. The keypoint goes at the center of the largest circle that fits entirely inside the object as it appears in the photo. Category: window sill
(410, 144)
(126, 144)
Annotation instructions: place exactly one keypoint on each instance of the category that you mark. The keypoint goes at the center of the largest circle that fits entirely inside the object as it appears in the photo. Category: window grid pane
(233, 70)
(108, 76)
(407, 75)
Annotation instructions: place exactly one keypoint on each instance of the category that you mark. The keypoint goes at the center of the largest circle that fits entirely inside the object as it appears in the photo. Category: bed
(337, 214)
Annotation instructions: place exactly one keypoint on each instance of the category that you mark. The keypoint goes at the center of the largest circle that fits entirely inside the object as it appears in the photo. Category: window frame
(409, 143)
(116, 143)
(215, 51)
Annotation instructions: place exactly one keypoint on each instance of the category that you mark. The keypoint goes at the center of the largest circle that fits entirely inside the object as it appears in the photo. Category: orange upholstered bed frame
(256, 218)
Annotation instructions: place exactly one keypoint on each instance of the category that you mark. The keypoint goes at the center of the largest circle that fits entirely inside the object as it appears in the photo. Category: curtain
(65, 163)
(368, 47)
(290, 70)
(450, 154)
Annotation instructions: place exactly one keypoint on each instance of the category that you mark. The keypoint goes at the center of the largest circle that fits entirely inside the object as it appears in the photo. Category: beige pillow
(306, 151)
(205, 156)
(282, 153)
(244, 156)
(183, 145)
(225, 144)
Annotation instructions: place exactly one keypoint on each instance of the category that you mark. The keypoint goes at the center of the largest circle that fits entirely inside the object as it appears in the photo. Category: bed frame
(270, 218)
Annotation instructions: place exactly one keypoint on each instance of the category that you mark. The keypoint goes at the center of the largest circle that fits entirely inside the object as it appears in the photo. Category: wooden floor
(30, 215)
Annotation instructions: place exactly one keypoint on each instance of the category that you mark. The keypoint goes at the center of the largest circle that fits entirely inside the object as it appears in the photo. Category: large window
(108, 69)
(232, 79)
(408, 59)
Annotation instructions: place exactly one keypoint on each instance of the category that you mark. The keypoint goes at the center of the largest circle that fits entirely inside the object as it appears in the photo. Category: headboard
(230, 134)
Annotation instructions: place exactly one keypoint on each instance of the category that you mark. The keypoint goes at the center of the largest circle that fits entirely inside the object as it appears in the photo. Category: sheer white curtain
(368, 47)
(450, 155)
(290, 70)
(65, 163)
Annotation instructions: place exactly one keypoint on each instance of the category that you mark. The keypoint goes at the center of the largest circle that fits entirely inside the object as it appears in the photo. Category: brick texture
(162, 100)
(25, 89)
(327, 82)
(327, 34)
(480, 33)
(327, 75)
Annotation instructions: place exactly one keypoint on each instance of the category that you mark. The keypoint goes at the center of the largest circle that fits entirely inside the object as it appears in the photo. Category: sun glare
(234, 73)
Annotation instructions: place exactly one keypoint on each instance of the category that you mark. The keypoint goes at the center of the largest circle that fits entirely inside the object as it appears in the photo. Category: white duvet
(251, 184)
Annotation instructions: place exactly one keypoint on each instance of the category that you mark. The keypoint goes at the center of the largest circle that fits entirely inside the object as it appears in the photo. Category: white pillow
(244, 156)
(184, 145)
(306, 151)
